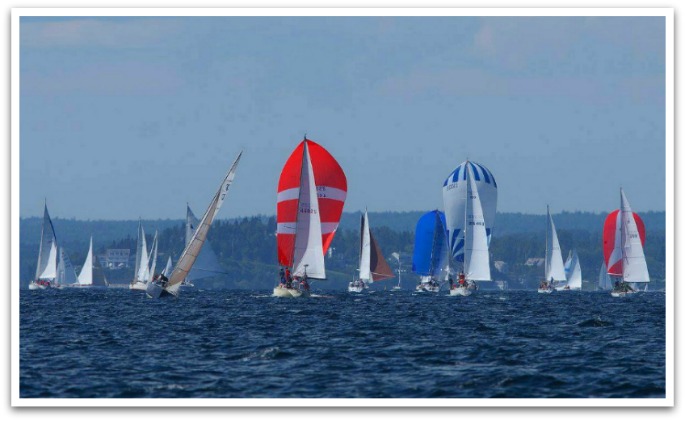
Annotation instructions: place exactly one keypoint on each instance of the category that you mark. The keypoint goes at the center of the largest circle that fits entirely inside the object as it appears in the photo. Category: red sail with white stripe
(613, 253)
(331, 190)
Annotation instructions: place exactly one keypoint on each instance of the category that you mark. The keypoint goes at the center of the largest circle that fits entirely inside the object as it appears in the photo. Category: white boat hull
(355, 288)
(289, 292)
(621, 294)
(138, 286)
(35, 286)
(155, 290)
(427, 288)
(396, 288)
(464, 292)
(545, 290)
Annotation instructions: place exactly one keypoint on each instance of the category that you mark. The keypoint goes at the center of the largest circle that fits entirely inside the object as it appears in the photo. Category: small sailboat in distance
(574, 277)
(554, 263)
(624, 239)
(398, 287)
(46, 269)
(91, 275)
(312, 190)
(170, 286)
(141, 269)
(372, 264)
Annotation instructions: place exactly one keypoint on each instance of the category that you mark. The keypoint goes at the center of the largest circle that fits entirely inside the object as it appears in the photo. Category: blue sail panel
(429, 244)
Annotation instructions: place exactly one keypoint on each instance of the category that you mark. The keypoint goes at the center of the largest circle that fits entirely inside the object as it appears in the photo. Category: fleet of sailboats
(624, 239)
(312, 190)
(372, 265)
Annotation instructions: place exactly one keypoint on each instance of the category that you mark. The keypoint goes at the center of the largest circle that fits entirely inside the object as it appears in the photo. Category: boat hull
(545, 290)
(464, 292)
(396, 288)
(283, 292)
(34, 286)
(621, 294)
(155, 290)
(427, 288)
(138, 286)
(356, 289)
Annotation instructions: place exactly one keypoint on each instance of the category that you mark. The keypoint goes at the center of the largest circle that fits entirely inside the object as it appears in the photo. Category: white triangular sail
(554, 263)
(153, 259)
(634, 264)
(573, 274)
(365, 249)
(191, 251)
(168, 268)
(47, 253)
(206, 264)
(476, 255)
(308, 250)
(85, 277)
(141, 270)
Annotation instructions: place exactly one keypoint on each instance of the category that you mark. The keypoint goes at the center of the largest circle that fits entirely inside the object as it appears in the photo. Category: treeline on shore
(246, 247)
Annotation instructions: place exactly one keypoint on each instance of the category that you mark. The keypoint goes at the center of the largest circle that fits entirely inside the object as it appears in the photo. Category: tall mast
(546, 242)
(466, 209)
(292, 256)
(623, 239)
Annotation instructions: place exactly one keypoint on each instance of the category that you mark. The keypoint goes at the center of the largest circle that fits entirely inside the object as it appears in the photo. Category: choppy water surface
(226, 344)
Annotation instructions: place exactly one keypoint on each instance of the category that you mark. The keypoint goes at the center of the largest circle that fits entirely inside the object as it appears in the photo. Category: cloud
(92, 32)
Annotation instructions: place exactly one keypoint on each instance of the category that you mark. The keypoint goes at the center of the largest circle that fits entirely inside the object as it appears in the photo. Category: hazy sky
(131, 117)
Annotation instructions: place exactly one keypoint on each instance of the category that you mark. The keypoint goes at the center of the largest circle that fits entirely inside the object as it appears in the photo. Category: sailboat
(430, 259)
(574, 276)
(207, 264)
(170, 285)
(604, 282)
(141, 270)
(312, 190)
(46, 269)
(372, 264)
(554, 264)
(398, 287)
(624, 239)
(471, 238)
(91, 275)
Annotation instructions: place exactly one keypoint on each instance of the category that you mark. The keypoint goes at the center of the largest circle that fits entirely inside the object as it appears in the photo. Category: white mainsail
(476, 256)
(554, 263)
(47, 253)
(85, 277)
(191, 251)
(141, 271)
(365, 250)
(206, 264)
(573, 273)
(634, 264)
(308, 250)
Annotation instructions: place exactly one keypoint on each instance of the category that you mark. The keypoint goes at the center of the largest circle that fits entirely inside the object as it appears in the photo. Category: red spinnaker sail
(612, 242)
(331, 186)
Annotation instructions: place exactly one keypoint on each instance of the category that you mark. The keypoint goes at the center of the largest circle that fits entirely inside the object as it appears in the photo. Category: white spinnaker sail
(634, 264)
(85, 277)
(191, 251)
(153, 259)
(206, 264)
(365, 249)
(554, 263)
(476, 256)
(573, 273)
(47, 253)
(65, 270)
(308, 250)
(168, 268)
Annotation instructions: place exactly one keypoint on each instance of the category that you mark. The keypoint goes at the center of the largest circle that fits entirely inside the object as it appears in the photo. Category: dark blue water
(226, 344)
